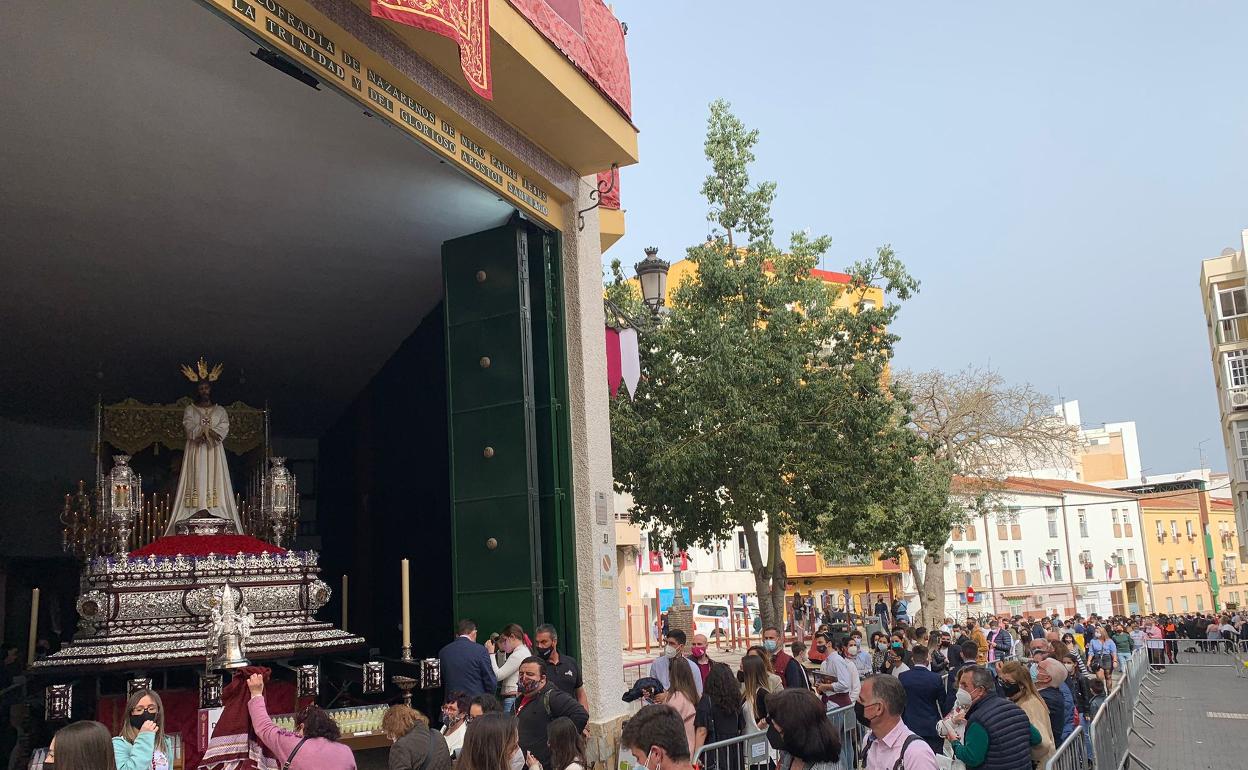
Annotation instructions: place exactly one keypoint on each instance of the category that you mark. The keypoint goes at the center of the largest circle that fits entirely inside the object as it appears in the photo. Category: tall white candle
(34, 627)
(407, 611)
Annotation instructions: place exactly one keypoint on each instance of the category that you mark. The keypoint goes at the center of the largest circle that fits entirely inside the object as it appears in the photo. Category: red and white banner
(623, 360)
(467, 22)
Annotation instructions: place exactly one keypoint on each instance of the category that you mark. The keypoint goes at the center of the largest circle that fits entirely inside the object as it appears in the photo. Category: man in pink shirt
(890, 744)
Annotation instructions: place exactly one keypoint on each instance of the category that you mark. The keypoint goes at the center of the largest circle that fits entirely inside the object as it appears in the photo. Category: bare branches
(986, 427)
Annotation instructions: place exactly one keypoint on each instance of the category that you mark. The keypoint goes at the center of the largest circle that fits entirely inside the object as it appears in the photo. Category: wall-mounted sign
(302, 34)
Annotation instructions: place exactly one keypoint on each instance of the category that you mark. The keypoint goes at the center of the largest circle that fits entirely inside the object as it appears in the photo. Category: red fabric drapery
(592, 40)
(202, 545)
(615, 373)
(467, 22)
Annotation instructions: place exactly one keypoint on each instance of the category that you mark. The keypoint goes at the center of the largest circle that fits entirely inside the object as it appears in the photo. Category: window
(1183, 603)
(1174, 530)
(974, 561)
(1237, 369)
(1085, 557)
(1052, 515)
(1018, 560)
(1161, 530)
(1083, 523)
(1113, 512)
(743, 552)
(1232, 305)
(1239, 430)
(959, 563)
(1165, 568)
(1055, 560)
(1169, 604)
(1200, 602)
(1130, 556)
(1190, 531)
(1195, 566)
(1005, 560)
(957, 532)
(719, 556)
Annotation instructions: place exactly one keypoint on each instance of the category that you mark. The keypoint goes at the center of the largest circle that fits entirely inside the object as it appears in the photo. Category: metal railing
(1113, 725)
(1071, 755)
(752, 750)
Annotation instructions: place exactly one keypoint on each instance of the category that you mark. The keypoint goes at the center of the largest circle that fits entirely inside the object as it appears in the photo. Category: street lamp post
(652, 275)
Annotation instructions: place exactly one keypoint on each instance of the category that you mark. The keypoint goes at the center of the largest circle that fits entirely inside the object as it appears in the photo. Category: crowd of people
(1000, 693)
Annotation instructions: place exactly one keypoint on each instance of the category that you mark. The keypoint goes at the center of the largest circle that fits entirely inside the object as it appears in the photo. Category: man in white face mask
(998, 733)
(673, 655)
(656, 737)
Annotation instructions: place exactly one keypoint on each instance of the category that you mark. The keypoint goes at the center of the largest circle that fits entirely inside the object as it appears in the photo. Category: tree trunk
(769, 577)
(933, 589)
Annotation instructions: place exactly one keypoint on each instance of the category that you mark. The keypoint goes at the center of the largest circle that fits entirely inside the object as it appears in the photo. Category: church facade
(387, 220)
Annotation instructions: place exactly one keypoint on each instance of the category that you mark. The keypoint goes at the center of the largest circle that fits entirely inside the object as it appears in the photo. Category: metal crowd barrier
(846, 724)
(1199, 652)
(1071, 755)
(740, 753)
(1114, 724)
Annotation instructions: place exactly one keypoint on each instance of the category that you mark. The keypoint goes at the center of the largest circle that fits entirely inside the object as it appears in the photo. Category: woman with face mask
(491, 744)
(879, 646)
(80, 746)
(801, 732)
(1016, 684)
(510, 641)
(416, 746)
(142, 744)
(454, 714)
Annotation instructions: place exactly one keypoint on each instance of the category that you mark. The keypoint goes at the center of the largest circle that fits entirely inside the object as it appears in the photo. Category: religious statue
(229, 629)
(204, 484)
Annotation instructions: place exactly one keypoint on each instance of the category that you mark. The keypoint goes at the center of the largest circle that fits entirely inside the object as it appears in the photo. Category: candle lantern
(58, 703)
(209, 691)
(279, 499)
(122, 500)
(309, 680)
(138, 684)
(374, 676)
(430, 674)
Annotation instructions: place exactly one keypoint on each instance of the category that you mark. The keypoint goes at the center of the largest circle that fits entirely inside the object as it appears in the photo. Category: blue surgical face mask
(1035, 671)
(770, 645)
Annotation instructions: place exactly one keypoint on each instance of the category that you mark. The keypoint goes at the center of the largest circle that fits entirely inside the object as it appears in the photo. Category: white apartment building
(1224, 293)
(1052, 545)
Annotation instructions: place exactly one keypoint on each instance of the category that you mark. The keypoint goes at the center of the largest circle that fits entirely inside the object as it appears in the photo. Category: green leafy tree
(762, 404)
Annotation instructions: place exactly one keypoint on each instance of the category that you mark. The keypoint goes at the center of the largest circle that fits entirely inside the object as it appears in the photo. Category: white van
(707, 613)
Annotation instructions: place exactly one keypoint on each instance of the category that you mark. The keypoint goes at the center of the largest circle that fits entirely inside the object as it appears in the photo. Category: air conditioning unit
(1239, 399)
(1038, 601)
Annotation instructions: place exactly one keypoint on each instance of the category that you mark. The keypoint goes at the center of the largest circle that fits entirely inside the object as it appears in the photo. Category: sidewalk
(1187, 737)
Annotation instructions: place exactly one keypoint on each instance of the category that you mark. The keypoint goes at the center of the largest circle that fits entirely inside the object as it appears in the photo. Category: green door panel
(512, 533)
(492, 439)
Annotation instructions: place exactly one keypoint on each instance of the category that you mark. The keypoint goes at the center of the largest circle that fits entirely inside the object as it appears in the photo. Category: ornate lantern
(280, 500)
(652, 275)
(122, 500)
(308, 680)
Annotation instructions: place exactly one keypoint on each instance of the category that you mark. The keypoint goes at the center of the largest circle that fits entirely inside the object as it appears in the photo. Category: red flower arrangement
(202, 545)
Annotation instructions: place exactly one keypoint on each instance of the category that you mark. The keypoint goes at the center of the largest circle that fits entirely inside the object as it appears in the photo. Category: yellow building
(1175, 550)
(874, 295)
(866, 578)
(1232, 581)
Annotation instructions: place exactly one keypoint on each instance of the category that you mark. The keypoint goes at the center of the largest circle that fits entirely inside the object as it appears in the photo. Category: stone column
(601, 648)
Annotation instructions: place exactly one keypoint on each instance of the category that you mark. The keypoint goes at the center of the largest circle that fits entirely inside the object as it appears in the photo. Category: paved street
(1186, 736)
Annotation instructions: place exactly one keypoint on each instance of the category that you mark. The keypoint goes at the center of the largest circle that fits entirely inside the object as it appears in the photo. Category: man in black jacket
(540, 704)
(968, 650)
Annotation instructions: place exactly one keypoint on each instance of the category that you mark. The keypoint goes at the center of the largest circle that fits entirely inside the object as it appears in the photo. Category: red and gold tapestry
(467, 22)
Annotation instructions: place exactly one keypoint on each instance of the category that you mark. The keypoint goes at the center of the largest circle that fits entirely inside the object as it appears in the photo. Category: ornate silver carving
(229, 630)
(318, 594)
(430, 674)
(279, 499)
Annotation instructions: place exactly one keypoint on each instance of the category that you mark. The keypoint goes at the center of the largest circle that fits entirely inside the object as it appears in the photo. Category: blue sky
(1052, 172)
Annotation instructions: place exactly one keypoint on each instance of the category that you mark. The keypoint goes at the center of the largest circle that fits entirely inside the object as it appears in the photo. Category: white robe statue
(204, 483)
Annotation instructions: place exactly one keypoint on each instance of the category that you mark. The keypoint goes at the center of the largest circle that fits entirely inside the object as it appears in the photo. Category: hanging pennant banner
(467, 22)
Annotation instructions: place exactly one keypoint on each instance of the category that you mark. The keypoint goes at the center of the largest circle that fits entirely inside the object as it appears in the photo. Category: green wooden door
(506, 378)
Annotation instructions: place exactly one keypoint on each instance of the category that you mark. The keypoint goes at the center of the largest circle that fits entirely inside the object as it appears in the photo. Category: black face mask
(741, 677)
(860, 713)
(775, 738)
(138, 720)
(1010, 689)
(49, 766)
(544, 652)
